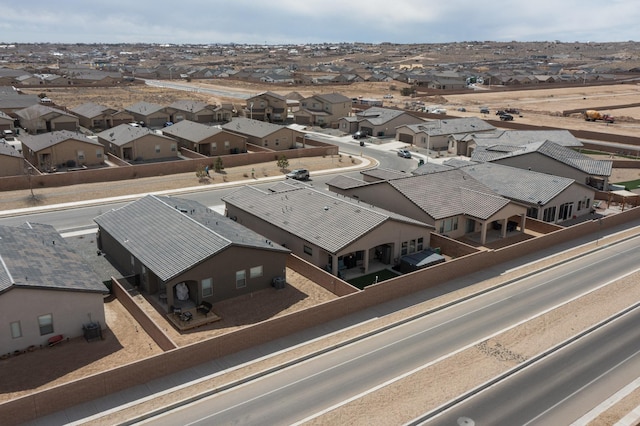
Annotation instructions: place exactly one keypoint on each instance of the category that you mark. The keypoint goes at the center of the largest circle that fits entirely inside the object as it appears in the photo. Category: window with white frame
(157, 149)
(16, 330)
(45, 322)
(207, 287)
(81, 155)
(549, 214)
(214, 146)
(174, 147)
(308, 250)
(98, 153)
(241, 279)
(412, 246)
(448, 225)
(255, 272)
(227, 144)
(420, 245)
(404, 249)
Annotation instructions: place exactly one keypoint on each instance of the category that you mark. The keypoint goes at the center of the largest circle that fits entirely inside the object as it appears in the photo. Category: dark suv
(506, 117)
(360, 134)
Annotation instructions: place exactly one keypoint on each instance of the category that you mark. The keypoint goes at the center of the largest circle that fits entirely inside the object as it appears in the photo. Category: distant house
(267, 135)
(187, 109)
(377, 121)
(206, 140)
(169, 242)
(323, 109)
(42, 118)
(225, 113)
(12, 100)
(6, 122)
(551, 158)
(49, 151)
(267, 106)
(452, 201)
(46, 288)
(136, 143)
(436, 134)
(152, 115)
(11, 161)
(330, 232)
(465, 144)
(93, 116)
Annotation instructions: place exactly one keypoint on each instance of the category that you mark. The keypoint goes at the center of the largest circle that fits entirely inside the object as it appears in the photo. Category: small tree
(200, 173)
(218, 166)
(283, 163)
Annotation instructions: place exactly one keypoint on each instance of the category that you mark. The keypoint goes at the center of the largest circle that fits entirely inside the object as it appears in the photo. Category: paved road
(562, 387)
(306, 389)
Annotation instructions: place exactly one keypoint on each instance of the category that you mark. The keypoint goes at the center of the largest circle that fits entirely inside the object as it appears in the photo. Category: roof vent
(326, 208)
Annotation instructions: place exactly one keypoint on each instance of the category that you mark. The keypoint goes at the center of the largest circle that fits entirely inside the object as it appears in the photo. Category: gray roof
(379, 116)
(383, 174)
(171, 235)
(8, 150)
(125, 133)
(45, 140)
(450, 193)
(36, 256)
(190, 105)
(91, 110)
(452, 126)
(327, 221)
(40, 110)
(346, 182)
(12, 99)
(255, 128)
(549, 149)
(191, 131)
(523, 137)
(333, 98)
(517, 184)
(144, 108)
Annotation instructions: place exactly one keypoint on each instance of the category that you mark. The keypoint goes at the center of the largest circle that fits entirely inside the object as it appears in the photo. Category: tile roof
(346, 182)
(171, 235)
(45, 140)
(36, 256)
(330, 222)
(451, 126)
(255, 128)
(524, 137)
(450, 193)
(519, 185)
(383, 174)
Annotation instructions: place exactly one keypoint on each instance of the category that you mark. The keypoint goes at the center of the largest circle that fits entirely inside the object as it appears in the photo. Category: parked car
(484, 110)
(512, 111)
(500, 112)
(360, 134)
(404, 153)
(298, 174)
(388, 96)
(462, 109)
(506, 117)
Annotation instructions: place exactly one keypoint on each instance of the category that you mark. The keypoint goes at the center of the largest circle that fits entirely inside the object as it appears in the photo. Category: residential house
(377, 121)
(46, 289)
(267, 135)
(547, 197)
(267, 106)
(93, 116)
(440, 135)
(54, 150)
(11, 161)
(206, 140)
(224, 113)
(453, 202)
(137, 143)
(187, 109)
(551, 158)
(42, 118)
(13, 100)
(465, 144)
(6, 123)
(323, 110)
(152, 115)
(327, 231)
(171, 243)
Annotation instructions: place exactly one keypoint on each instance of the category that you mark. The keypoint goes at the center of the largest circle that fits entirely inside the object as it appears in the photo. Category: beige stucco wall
(576, 194)
(11, 166)
(65, 151)
(389, 128)
(543, 164)
(70, 310)
(145, 147)
(279, 140)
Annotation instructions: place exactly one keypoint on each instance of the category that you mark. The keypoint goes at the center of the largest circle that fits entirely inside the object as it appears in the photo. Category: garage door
(367, 130)
(301, 119)
(406, 138)
(157, 122)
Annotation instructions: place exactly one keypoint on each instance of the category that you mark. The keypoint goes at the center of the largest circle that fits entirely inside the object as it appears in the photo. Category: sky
(276, 22)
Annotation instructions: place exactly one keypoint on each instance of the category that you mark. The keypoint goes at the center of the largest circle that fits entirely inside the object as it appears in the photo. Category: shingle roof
(40, 110)
(91, 110)
(171, 235)
(8, 150)
(45, 140)
(144, 108)
(378, 116)
(125, 133)
(189, 105)
(333, 98)
(327, 221)
(450, 193)
(191, 131)
(36, 256)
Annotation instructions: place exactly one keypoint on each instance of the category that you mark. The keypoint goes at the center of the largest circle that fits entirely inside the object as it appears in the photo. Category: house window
(449, 225)
(420, 244)
(98, 153)
(277, 142)
(226, 144)
(255, 272)
(214, 146)
(549, 214)
(207, 287)
(174, 147)
(241, 279)
(404, 249)
(81, 155)
(157, 149)
(307, 250)
(45, 322)
(16, 330)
